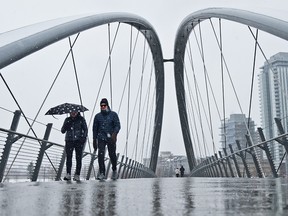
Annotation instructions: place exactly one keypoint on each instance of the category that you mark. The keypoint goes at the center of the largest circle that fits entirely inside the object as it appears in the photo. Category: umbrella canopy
(66, 108)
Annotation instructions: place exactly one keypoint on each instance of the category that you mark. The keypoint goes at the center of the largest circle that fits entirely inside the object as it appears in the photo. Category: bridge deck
(165, 196)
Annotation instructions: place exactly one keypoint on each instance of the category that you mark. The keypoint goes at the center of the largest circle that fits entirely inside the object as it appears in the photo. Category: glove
(95, 144)
(114, 138)
(83, 140)
(68, 125)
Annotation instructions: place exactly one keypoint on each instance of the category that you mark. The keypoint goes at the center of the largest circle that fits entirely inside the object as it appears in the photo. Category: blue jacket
(105, 124)
(75, 128)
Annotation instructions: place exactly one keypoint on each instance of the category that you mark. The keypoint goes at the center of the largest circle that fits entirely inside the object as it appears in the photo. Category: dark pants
(101, 153)
(69, 148)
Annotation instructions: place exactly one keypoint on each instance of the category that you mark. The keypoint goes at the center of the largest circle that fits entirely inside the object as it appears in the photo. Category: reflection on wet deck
(165, 196)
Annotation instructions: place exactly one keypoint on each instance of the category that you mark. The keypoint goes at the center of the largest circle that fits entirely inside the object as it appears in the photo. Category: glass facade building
(273, 92)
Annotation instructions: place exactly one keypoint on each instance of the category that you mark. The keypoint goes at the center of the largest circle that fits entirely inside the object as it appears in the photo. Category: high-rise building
(273, 89)
(236, 127)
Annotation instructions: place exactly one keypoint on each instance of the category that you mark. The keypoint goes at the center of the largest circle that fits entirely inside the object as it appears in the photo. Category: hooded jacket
(105, 124)
(75, 128)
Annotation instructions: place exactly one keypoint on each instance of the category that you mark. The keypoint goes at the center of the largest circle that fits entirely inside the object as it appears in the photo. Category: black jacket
(75, 128)
(105, 124)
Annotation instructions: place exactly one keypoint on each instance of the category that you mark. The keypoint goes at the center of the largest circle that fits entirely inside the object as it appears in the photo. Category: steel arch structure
(265, 23)
(17, 44)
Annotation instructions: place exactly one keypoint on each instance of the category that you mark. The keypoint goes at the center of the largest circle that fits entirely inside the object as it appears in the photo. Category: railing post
(212, 160)
(8, 144)
(219, 165)
(228, 162)
(124, 170)
(255, 158)
(91, 165)
(265, 147)
(133, 175)
(41, 153)
(243, 159)
(120, 165)
(223, 164)
(131, 169)
(210, 171)
(235, 161)
(128, 168)
(61, 165)
(206, 172)
(282, 140)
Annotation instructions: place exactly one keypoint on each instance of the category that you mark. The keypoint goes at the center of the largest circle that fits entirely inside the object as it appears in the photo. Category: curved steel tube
(265, 23)
(19, 43)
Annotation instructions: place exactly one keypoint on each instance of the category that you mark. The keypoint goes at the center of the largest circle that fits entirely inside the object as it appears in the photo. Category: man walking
(106, 126)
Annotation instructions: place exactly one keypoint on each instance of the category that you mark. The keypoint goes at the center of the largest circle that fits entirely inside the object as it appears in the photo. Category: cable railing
(26, 158)
(252, 161)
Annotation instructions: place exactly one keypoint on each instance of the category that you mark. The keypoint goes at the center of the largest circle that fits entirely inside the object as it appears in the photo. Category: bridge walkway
(147, 196)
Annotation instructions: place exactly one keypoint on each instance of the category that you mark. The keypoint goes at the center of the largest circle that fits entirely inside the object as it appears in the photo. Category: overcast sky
(164, 15)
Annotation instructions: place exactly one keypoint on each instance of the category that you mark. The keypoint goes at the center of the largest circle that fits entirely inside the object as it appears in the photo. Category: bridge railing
(26, 158)
(245, 162)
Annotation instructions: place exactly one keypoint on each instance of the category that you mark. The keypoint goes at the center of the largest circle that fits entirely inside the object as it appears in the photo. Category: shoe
(76, 177)
(67, 177)
(101, 176)
(114, 175)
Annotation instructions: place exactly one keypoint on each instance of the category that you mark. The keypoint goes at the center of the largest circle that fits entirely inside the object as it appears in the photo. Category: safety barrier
(246, 159)
(27, 158)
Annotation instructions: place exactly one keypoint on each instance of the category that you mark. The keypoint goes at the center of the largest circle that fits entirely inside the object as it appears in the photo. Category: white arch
(17, 44)
(265, 23)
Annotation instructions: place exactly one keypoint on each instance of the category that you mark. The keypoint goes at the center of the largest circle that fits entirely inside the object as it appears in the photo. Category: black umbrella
(66, 108)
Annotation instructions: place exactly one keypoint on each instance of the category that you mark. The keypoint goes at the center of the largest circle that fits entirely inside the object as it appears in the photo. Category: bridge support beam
(223, 164)
(219, 165)
(254, 157)
(235, 161)
(213, 161)
(243, 159)
(283, 140)
(41, 153)
(120, 165)
(228, 162)
(125, 167)
(8, 144)
(265, 147)
(61, 165)
(91, 165)
(128, 168)
(131, 169)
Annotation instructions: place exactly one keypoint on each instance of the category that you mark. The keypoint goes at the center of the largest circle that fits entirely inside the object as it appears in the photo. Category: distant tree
(30, 169)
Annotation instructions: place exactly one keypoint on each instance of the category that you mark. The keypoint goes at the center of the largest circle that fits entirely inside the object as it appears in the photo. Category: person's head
(104, 104)
(73, 114)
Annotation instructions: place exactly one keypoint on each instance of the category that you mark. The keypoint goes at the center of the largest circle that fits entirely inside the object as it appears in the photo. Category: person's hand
(83, 140)
(95, 144)
(114, 138)
(68, 125)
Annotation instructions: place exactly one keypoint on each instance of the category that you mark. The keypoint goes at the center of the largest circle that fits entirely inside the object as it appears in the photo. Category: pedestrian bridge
(152, 196)
(82, 69)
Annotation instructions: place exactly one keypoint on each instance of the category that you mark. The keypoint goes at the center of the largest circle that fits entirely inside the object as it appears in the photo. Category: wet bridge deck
(165, 196)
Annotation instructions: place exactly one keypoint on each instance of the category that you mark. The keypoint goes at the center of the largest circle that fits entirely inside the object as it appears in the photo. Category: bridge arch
(273, 26)
(19, 43)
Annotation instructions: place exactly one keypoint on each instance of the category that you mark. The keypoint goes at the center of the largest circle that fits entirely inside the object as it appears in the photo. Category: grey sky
(165, 16)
